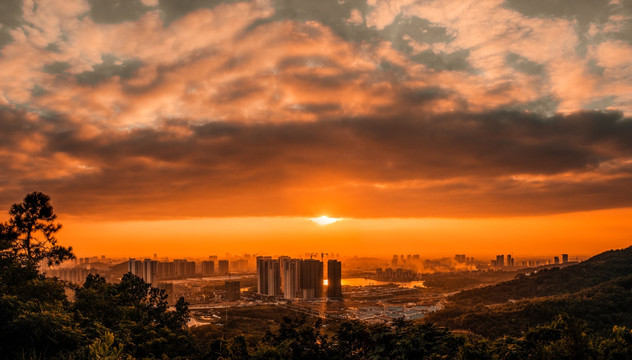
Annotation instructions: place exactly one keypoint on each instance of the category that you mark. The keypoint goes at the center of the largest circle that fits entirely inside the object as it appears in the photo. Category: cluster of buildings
(298, 278)
(462, 259)
(83, 267)
(398, 275)
(152, 270)
(408, 259)
(73, 275)
(508, 261)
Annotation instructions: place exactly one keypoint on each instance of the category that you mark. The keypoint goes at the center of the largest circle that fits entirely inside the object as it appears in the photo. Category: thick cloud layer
(461, 164)
(369, 108)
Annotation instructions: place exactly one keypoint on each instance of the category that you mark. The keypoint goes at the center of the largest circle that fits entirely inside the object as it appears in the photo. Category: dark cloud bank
(458, 164)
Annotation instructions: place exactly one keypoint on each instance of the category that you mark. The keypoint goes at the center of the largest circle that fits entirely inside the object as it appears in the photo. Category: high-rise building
(290, 278)
(222, 267)
(166, 270)
(150, 269)
(556, 260)
(135, 267)
(500, 260)
(208, 267)
(184, 268)
(394, 261)
(240, 265)
(232, 290)
(510, 261)
(564, 258)
(460, 258)
(282, 261)
(268, 276)
(334, 279)
(311, 282)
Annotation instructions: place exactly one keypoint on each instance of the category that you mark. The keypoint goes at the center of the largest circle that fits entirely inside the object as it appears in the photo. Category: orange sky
(579, 234)
(440, 126)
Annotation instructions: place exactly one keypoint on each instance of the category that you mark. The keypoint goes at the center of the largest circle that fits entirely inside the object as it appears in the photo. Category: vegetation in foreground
(130, 320)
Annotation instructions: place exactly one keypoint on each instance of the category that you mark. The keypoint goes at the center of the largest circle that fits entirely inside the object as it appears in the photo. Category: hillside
(602, 307)
(594, 271)
(598, 291)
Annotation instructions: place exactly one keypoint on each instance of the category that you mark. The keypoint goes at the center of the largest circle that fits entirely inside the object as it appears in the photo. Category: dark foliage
(111, 321)
(565, 337)
(32, 231)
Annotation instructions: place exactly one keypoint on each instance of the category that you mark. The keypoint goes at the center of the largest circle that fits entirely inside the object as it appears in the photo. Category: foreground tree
(136, 314)
(31, 231)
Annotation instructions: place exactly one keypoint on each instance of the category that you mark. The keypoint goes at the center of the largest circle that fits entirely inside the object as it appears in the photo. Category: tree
(33, 224)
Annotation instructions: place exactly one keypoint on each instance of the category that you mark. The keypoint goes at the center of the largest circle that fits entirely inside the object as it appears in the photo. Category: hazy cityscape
(359, 289)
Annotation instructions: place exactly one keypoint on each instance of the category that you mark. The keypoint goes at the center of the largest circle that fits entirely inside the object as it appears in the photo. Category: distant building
(556, 260)
(510, 261)
(334, 279)
(184, 268)
(240, 265)
(222, 267)
(232, 290)
(564, 258)
(460, 258)
(150, 269)
(282, 261)
(394, 261)
(268, 276)
(135, 267)
(291, 279)
(208, 267)
(311, 279)
(146, 269)
(166, 270)
(398, 274)
(500, 260)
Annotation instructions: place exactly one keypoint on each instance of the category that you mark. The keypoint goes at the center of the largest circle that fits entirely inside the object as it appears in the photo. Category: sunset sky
(192, 127)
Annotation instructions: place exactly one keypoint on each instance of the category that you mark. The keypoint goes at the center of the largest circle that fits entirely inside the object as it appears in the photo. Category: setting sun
(324, 220)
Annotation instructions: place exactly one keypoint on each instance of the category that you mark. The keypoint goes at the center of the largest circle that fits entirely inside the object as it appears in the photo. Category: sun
(324, 220)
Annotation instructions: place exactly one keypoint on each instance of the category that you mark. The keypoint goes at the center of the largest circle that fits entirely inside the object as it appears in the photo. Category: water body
(369, 282)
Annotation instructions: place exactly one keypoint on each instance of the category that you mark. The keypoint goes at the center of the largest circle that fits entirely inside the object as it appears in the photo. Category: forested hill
(597, 291)
(594, 271)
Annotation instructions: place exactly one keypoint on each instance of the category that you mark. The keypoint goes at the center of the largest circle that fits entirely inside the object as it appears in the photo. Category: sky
(193, 126)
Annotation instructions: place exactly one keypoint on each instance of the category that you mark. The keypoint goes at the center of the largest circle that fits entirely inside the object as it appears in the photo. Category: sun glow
(324, 220)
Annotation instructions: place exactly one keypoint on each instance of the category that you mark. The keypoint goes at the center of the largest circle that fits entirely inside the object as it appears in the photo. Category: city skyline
(434, 126)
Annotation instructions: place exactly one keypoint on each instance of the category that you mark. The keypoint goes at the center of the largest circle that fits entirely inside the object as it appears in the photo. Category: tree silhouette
(33, 223)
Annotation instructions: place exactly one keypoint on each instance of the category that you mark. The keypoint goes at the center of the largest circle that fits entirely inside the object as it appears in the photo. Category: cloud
(367, 108)
(116, 11)
(496, 163)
